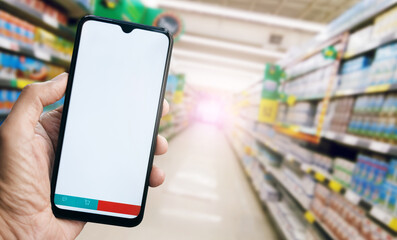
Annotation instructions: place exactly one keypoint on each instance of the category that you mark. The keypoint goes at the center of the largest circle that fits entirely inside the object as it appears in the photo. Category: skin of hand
(28, 140)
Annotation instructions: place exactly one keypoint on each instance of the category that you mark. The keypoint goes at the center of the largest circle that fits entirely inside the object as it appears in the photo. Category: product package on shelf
(14, 66)
(369, 176)
(293, 227)
(7, 100)
(385, 24)
(314, 62)
(317, 161)
(355, 73)
(344, 220)
(313, 84)
(343, 171)
(44, 8)
(302, 114)
(359, 39)
(374, 116)
(15, 29)
(383, 69)
(338, 116)
(300, 187)
(27, 35)
(270, 157)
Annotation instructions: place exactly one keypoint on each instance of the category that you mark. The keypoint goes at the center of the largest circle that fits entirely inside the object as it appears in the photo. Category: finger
(166, 108)
(34, 98)
(51, 122)
(157, 177)
(161, 146)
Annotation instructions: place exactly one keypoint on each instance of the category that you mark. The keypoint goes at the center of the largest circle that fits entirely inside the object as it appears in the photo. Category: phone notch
(126, 28)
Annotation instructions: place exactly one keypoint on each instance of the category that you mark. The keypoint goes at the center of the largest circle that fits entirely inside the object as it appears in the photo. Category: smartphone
(107, 137)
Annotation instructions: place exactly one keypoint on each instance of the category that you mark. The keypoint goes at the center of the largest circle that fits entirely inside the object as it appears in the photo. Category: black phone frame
(91, 217)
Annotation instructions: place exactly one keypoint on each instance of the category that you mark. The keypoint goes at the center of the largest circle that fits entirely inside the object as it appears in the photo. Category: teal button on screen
(78, 202)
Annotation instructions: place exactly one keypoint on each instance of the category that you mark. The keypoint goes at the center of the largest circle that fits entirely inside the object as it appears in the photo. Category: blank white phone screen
(111, 119)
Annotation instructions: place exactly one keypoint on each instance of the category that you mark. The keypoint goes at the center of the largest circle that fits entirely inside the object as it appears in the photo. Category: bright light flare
(210, 111)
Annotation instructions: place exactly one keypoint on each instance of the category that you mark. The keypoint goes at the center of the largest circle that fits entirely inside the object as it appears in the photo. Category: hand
(27, 149)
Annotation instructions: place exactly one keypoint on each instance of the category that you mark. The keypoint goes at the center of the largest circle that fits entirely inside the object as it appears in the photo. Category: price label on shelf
(351, 140)
(309, 216)
(319, 176)
(41, 54)
(5, 43)
(379, 88)
(352, 197)
(290, 158)
(50, 21)
(393, 224)
(381, 215)
(306, 168)
(21, 83)
(335, 186)
(330, 135)
(379, 147)
(344, 92)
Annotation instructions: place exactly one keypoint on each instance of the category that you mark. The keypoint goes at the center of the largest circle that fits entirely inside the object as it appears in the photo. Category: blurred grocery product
(14, 66)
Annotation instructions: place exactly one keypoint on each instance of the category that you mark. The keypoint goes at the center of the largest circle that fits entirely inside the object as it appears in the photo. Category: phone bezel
(91, 217)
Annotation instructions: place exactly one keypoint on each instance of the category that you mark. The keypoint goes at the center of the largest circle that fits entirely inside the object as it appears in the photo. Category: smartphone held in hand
(111, 114)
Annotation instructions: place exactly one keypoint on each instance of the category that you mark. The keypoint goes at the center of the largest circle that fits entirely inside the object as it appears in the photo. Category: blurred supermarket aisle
(205, 196)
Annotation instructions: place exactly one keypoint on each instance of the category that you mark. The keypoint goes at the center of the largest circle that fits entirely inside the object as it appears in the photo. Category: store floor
(205, 196)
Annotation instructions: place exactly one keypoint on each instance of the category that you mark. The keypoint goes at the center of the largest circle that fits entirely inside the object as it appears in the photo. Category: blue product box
(392, 171)
(356, 64)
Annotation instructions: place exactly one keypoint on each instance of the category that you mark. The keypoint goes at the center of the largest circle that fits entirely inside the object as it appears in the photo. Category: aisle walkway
(205, 196)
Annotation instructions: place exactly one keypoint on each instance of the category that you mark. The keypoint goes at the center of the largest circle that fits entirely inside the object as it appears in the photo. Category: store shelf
(268, 205)
(297, 132)
(382, 217)
(387, 221)
(309, 71)
(3, 115)
(375, 10)
(353, 92)
(310, 98)
(33, 52)
(272, 207)
(14, 83)
(372, 89)
(307, 134)
(34, 17)
(373, 45)
(74, 8)
(307, 214)
(264, 140)
(351, 140)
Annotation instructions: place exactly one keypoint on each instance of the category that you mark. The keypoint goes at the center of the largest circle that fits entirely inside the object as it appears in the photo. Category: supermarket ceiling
(226, 43)
(322, 11)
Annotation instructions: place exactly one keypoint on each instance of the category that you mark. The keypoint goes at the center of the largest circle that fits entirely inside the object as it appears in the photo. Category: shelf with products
(286, 181)
(352, 110)
(308, 134)
(374, 70)
(336, 175)
(374, 212)
(179, 97)
(289, 221)
(21, 37)
(48, 18)
(18, 83)
(266, 197)
(18, 71)
(75, 8)
(33, 52)
(363, 11)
